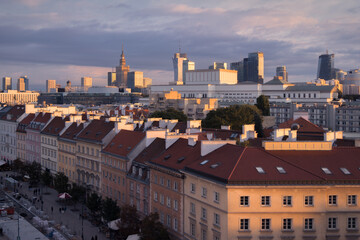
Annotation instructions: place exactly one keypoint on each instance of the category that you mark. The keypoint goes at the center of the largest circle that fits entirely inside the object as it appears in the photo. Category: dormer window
(326, 170)
(260, 170)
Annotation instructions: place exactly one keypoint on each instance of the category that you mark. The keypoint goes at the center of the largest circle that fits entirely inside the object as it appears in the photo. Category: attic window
(181, 159)
(128, 148)
(345, 171)
(120, 145)
(204, 162)
(326, 170)
(112, 144)
(260, 170)
(215, 165)
(167, 157)
(281, 170)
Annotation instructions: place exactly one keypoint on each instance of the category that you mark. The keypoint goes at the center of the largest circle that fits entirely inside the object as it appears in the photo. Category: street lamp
(18, 236)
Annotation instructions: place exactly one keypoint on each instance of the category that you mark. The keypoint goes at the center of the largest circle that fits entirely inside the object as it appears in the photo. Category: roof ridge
(294, 165)
(237, 162)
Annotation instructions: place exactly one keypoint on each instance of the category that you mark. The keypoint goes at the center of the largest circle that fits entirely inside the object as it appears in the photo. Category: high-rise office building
(281, 72)
(326, 66)
(218, 65)
(255, 68)
(86, 82)
(21, 85)
(251, 68)
(122, 72)
(51, 86)
(111, 78)
(7, 83)
(135, 80)
(179, 69)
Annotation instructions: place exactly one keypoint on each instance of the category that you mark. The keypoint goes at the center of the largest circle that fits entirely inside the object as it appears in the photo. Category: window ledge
(333, 230)
(244, 231)
(287, 230)
(309, 230)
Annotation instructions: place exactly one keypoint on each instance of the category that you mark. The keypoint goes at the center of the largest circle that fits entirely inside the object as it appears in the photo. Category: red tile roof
(71, 132)
(25, 122)
(56, 125)
(305, 126)
(178, 155)
(124, 142)
(40, 120)
(96, 130)
(152, 151)
(14, 113)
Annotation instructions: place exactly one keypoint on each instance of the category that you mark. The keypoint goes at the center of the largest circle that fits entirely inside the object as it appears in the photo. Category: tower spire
(122, 59)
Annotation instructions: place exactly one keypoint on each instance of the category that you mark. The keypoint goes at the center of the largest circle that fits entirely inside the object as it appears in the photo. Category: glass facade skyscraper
(326, 66)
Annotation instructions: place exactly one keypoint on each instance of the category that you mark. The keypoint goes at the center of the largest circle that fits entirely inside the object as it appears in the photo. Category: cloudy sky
(67, 39)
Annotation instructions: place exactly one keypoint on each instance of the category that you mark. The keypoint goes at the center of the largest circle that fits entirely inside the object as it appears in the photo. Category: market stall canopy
(64, 196)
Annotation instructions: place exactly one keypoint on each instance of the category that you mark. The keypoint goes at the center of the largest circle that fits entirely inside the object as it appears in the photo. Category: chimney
(209, 146)
(191, 141)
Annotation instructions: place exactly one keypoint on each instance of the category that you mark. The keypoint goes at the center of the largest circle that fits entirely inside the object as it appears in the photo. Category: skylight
(281, 169)
(260, 170)
(215, 165)
(204, 162)
(181, 159)
(345, 171)
(167, 157)
(326, 170)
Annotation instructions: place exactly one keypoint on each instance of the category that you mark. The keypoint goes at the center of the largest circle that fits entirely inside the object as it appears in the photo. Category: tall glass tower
(326, 66)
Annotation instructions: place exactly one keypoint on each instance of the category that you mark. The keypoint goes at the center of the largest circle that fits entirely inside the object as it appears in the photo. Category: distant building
(7, 83)
(111, 78)
(351, 84)
(135, 80)
(251, 68)
(281, 71)
(239, 67)
(178, 62)
(218, 65)
(122, 72)
(187, 66)
(51, 86)
(86, 82)
(211, 76)
(326, 66)
(21, 87)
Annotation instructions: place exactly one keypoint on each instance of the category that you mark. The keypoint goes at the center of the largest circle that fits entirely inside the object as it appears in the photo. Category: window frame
(287, 201)
(244, 201)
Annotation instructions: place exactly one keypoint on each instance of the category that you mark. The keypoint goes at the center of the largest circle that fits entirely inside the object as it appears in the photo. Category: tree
(129, 222)
(77, 193)
(235, 116)
(170, 113)
(262, 103)
(152, 228)
(47, 178)
(93, 203)
(34, 171)
(61, 182)
(18, 165)
(109, 210)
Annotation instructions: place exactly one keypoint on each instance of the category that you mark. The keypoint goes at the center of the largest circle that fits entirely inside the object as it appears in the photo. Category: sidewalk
(70, 219)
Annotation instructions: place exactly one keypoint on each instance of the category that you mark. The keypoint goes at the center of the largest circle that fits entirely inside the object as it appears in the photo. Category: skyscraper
(218, 65)
(111, 78)
(239, 67)
(7, 83)
(281, 71)
(326, 66)
(179, 67)
(255, 67)
(21, 85)
(86, 82)
(50, 85)
(122, 72)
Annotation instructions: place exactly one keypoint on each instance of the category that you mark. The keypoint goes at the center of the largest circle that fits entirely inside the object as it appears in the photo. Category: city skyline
(66, 40)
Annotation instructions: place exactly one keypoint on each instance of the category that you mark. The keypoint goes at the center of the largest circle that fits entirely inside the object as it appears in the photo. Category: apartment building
(21, 136)
(89, 144)
(67, 151)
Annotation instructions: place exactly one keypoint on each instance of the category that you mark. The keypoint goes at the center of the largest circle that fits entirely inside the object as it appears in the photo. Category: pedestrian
(95, 237)
(92, 238)
(52, 209)
(59, 209)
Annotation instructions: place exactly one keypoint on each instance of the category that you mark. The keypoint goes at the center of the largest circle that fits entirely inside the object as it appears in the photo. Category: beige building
(21, 136)
(194, 108)
(51, 86)
(13, 97)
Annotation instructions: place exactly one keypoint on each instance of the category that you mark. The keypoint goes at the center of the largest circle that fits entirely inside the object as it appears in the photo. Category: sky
(68, 39)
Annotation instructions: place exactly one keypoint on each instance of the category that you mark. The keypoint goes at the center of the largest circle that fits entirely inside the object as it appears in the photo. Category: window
(332, 223)
(345, 171)
(281, 170)
(265, 201)
(203, 192)
(309, 201)
(260, 170)
(244, 224)
(309, 224)
(176, 205)
(168, 183)
(192, 229)
(192, 187)
(352, 200)
(265, 224)
(168, 220)
(162, 199)
(162, 181)
(326, 170)
(333, 200)
(244, 201)
(216, 219)
(203, 213)
(176, 186)
(287, 224)
(203, 234)
(216, 197)
(175, 224)
(155, 179)
(287, 201)
(192, 209)
(168, 202)
(351, 223)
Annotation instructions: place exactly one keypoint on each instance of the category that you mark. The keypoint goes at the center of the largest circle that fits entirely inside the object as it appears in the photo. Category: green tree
(34, 171)
(170, 113)
(129, 222)
(47, 178)
(18, 165)
(152, 228)
(262, 103)
(235, 116)
(109, 210)
(93, 203)
(77, 193)
(61, 182)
